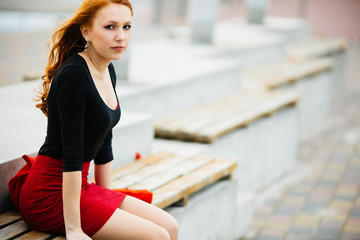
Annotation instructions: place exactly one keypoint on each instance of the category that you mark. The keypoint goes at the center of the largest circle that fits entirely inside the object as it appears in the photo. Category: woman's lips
(118, 48)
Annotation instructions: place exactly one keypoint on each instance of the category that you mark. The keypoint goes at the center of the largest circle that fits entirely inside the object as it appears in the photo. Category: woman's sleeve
(105, 154)
(71, 101)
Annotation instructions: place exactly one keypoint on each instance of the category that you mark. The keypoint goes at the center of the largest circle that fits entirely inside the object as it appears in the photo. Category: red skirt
(41, 205)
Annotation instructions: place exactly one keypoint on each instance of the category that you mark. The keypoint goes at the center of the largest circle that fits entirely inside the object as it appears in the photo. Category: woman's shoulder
(74, 67)
(74, 63)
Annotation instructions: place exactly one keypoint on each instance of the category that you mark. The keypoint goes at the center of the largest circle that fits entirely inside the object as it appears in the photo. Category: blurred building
(339, 18)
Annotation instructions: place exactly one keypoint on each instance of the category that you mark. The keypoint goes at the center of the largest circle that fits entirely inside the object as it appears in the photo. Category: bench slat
(13, 230)
(146, 172)
(184, 186)
(224, 116)
(9, 217)
(181, 169)
(235, 111)
(268, 107)
(36, 235)
(132, 167)
(59, 238)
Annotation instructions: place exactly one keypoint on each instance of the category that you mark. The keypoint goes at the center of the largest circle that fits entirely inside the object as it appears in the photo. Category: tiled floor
(326, 203)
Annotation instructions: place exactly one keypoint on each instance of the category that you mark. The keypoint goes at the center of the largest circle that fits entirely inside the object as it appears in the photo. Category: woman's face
(110, 32)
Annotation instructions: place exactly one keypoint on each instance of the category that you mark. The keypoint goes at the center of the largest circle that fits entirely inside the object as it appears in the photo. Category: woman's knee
(160, 233)
(173, 227)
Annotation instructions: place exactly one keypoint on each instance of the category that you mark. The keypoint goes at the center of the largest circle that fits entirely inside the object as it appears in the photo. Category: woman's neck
(98, 66)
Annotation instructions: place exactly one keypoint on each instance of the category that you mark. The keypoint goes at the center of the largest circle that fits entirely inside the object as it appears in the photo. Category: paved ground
(326, 203)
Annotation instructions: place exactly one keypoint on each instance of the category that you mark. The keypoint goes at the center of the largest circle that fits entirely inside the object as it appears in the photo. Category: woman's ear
(84, 32)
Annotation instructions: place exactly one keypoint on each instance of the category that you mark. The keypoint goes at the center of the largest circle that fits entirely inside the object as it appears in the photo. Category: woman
(78, 96)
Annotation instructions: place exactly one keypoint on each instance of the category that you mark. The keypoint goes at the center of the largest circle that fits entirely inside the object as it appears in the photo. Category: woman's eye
(110, 27)
(127, 26)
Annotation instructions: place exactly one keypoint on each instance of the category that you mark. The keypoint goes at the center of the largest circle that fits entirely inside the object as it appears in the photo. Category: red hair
(67, 40)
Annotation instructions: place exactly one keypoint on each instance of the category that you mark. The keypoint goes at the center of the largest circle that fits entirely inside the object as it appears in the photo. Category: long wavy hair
(67, 40)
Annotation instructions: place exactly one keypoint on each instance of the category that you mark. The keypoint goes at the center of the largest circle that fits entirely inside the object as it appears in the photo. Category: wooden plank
(190, 132)
(13, 230)
(300, 70)
(59, 238)
(132, 167)
(35, 235)
(192, 182)
(170, 174)
(9, 217)
(178, 126)
(145, 172)
(240, 118)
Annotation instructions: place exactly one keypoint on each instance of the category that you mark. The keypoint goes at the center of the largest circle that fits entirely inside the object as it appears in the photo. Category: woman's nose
(120, 35)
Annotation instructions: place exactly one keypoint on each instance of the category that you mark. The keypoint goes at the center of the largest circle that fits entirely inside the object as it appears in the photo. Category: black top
(79, 122)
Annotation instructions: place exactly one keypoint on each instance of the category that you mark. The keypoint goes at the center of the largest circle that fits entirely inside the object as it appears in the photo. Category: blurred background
(26, 26)
(186, 52)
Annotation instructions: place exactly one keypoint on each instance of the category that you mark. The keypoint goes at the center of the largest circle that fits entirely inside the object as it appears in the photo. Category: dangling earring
(86, 45)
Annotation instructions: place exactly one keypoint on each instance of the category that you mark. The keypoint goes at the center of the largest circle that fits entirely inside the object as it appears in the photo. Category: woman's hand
(77, 235)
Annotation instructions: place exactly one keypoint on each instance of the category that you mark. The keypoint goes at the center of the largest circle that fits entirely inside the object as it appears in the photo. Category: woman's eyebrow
(118, 22)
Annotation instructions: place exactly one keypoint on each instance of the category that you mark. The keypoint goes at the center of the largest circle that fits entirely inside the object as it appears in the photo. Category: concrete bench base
(315, 102)
(211, 214)
(265, 150)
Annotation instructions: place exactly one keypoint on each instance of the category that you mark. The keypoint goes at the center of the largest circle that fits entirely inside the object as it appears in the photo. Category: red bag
(16, 183)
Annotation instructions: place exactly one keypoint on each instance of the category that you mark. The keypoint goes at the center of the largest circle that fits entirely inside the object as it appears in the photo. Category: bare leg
(124, 225)
(151, 213)
(136, 219)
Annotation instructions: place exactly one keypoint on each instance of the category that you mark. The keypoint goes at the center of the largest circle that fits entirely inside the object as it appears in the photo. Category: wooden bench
(315, 47)
(206, 122)
(284, 72)
(171, 178)
(311, 78)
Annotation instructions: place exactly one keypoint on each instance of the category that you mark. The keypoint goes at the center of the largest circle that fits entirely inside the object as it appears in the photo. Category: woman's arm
(71, 205)
(103, 174)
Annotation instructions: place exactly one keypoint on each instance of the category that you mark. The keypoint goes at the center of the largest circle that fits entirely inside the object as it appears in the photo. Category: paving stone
(327, 234)
(272, 232)
(325, 183)
(340, 204)
(355, 212)
(287, 211)
(294, 236)
(349, 236)
(301, 231)
(313, 207)
(266, 238)
(307, 220)
(293, 200)
(337, 166)
(352, 229)
(331, 177)
(354, 222)
(355, 161)
(264, 210)
(281, 219)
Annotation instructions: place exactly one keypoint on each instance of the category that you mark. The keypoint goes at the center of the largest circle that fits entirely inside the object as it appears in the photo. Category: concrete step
(212, 213)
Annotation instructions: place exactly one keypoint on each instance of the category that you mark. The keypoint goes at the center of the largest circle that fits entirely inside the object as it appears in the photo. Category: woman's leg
(136, 219)
(124, 225)
(152, 214)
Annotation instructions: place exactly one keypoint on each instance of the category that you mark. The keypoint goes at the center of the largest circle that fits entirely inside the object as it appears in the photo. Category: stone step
(215, 213)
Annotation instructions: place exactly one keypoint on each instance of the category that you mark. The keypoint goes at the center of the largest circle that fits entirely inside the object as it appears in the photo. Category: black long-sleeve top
(79, 121)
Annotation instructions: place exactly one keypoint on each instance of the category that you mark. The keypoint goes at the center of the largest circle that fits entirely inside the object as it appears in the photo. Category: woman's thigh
(151, 213)
(127, 226)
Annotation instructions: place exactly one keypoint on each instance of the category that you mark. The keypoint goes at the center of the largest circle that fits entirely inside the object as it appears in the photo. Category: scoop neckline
(94, 85)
